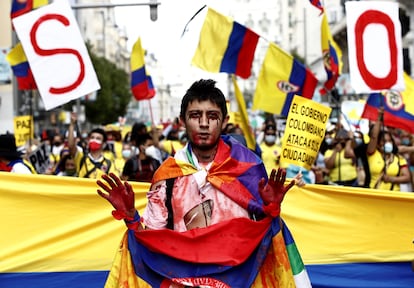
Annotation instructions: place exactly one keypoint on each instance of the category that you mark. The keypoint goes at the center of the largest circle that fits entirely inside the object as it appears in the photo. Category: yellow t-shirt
(376, 167)
(270, 156)
(87, 169)
(344, 169)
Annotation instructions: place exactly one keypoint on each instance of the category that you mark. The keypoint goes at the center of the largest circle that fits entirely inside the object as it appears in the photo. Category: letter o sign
(376, 17)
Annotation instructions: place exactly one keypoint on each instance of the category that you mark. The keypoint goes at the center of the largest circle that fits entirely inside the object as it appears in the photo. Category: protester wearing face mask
(141, 167)
(340, 160)
(270, 148)
(93, 164)
(388, 169)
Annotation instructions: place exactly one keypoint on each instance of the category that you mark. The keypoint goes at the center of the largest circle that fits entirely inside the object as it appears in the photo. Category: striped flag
(21, 68)
(317, 4)
(141, 83)
(19, 7)
(332, 56)
(280, 78)
(398, 106)
(225, 46)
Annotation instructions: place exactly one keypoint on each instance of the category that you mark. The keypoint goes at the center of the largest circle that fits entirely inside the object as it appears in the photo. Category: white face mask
(329, 141)
(126, 153)
(270, 139)
(388, 147)
(56, 150)
(150, 151)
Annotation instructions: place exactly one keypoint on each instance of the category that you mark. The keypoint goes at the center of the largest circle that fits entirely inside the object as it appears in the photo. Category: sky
(163, 36)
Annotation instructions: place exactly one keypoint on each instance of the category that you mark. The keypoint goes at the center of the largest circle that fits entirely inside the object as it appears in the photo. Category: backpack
(97, 165)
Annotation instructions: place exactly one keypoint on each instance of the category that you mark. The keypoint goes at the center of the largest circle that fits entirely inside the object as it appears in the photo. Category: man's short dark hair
(204, 90)
(100, 131)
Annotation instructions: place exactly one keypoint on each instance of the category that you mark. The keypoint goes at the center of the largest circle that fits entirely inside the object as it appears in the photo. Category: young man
(221, 206)
(93, 164)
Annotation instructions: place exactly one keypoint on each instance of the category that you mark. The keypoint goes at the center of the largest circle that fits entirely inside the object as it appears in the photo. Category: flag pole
(151, 114)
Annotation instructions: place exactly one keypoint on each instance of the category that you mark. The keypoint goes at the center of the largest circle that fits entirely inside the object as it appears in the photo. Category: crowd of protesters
(383, 158)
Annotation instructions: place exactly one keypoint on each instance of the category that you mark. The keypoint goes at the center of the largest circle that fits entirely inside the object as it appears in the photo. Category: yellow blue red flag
(21, 68)
(141, 82)
(332, 57)
(19, 7)
(280, 78)
(341, 244)
(398, 106)
(225, 46)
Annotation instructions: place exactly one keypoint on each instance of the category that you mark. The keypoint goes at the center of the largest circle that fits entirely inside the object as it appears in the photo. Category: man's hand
(274, 191)
(120, 195)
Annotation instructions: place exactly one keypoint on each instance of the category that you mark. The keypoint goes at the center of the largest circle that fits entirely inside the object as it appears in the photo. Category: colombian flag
(21, 68)
(398, 106)
(225, 46)
(317, 4)
(141, 83)
(280, 78)
(19, 7)
(332, 56)
(347, 237)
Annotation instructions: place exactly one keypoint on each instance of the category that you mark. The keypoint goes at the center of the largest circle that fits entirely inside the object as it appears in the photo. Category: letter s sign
(49, 52)
(57, 54)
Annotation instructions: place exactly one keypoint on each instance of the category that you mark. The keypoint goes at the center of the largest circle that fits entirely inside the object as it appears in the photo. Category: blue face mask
(388, 147)
(405, 142)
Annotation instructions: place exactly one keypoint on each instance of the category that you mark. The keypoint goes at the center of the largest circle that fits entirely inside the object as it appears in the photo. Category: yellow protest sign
(305, 131)
(23, 129)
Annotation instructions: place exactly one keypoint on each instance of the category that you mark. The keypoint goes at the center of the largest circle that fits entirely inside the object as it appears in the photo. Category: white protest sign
(374, 46)
(56, 53)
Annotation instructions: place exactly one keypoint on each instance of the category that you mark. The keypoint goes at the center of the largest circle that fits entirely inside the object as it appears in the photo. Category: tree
(113, 97)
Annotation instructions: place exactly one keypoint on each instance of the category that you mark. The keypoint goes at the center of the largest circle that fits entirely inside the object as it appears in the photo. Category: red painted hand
(274, 191)
(120, 195)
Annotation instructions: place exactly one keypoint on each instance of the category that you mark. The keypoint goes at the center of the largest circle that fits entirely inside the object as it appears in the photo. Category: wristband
(134, 223)
(271, 210)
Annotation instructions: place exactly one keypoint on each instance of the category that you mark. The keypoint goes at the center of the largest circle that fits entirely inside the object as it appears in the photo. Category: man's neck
(206, 156)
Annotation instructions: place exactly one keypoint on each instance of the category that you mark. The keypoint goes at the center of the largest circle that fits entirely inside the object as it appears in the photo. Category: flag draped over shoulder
(211, 256)
(280, 78)
(398, 106)
(141, 83)
(332, 56)
(19, 7)
(21, 68)
(225, 46)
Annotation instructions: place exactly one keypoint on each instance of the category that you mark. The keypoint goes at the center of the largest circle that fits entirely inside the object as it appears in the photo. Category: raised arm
(274, 191)
(122, 198)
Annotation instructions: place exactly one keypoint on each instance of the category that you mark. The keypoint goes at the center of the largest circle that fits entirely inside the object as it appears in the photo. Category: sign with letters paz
(39, 158)
(23, 129)
(305, 131)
